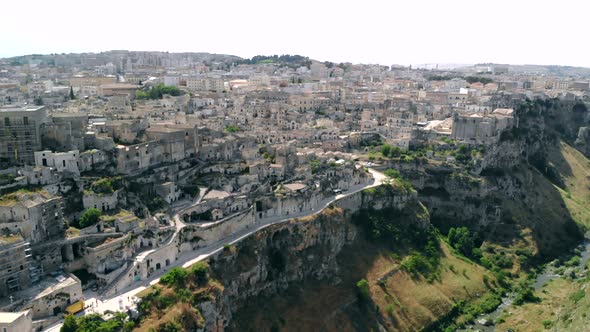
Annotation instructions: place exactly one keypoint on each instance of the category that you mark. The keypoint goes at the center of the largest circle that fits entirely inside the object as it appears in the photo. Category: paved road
(126, 297)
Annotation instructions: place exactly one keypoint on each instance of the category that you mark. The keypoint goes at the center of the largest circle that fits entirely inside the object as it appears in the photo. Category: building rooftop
(28, 198)
(21, 109)
(50, 285)
(9, 317)
(503, 111)
(216, 194)
(161, 129)
(294, 186)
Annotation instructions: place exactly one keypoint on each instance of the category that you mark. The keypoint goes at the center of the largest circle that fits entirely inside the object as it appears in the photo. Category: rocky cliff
(300, 250)
(282, 257)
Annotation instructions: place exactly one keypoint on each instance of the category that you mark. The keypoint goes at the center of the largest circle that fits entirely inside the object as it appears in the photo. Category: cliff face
(511, 190)
(288, 254)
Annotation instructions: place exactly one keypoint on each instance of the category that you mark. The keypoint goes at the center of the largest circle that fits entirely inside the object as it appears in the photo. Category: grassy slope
(556, 305)
(575, 171)
(416, 302)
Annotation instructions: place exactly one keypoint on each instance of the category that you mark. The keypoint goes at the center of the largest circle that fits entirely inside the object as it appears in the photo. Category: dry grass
(181, 313)
(575, 172)
(529, 316)
(412, 303)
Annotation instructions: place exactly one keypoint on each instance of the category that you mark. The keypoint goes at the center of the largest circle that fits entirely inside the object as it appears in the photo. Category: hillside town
(117, 166)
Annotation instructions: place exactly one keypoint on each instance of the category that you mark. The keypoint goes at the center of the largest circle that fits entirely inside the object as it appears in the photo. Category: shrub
(574, 261)
(232, 129)
(390, 308)
(362, 287)
(170, 327)
(461, 239)
(547, 324)
(420, 264)
(70, 324)
(102, 186)
(386, 149)
(501, 260)
(200, 271)
(90, 217)
(157, 92)
(155, 203)
(176, 277)
(392, 173)
(577, 296)
(525, 294)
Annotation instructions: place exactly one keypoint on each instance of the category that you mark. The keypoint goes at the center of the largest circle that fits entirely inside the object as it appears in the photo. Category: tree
(175, 277)
(200, 272)
(386, 150)
(362, 287)
(102, 186)
(90, 217)
(392, 173)
(232, 129)
(315, 166)
(72, 96)
(461, 239)
(70, 324)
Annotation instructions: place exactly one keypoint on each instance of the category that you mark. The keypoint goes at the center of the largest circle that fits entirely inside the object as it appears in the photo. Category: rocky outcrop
(271, 260)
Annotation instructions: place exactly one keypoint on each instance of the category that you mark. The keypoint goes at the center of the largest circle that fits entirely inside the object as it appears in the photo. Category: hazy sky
(386, 32)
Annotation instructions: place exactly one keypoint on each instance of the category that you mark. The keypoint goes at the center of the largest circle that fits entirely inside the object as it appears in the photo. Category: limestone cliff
(272, 260)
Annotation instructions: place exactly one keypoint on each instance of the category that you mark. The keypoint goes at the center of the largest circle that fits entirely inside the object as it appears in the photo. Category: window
(26, 120)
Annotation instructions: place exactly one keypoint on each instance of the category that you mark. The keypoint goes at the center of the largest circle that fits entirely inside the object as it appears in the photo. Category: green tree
(102, 186)
(72, 96)
(232, 129)
(90, 217)
(462, 240)
(362, 287)
(392, 173)
(70, 324)
(386, 150)
(200, 272)
(315, 166)
(176, 277)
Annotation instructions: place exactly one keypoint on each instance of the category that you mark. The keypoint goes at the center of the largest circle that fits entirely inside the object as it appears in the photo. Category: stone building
(56, 295)
(37, 216)
(14, 264)
(139, 157)
(64, 162)
(103, 202)
(169, 192)
(20, 134)
(16, 321)
(65, 132)
(482, 129)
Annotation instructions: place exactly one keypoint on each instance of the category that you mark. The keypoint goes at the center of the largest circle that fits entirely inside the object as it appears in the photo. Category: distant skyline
(393, 32)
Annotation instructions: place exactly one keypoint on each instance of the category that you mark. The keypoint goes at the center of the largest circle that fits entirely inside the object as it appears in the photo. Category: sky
(385, 32)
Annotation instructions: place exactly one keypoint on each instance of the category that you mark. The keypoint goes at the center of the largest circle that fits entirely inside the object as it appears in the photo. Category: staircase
(106, 290)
